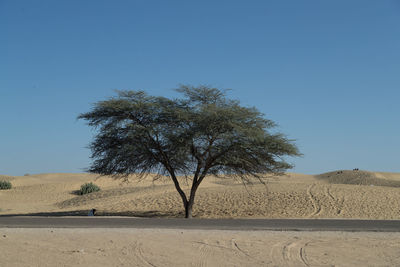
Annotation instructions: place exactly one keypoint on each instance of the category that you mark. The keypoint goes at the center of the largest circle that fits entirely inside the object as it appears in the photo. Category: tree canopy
(201, 133)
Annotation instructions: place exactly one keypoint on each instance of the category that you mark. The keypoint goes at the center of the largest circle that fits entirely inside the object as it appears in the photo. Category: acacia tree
(202, 133)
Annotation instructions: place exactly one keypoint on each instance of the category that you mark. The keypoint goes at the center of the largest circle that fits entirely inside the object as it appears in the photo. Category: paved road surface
(211, 224)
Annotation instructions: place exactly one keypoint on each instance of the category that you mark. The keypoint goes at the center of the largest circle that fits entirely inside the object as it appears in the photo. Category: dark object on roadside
(92, 212)
(356, 169)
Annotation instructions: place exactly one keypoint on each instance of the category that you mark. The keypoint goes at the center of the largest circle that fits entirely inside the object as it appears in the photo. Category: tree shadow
(76, 192)
(104, 194)
(141, 214)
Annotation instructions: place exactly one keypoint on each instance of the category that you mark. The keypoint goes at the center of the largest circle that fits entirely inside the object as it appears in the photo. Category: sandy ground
(339, 194)
(144, 247)
(289, 196)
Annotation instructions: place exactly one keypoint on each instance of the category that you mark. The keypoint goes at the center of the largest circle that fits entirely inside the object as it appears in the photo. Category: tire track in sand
(315, 202)
(336, 202)
(236, 247)
(138, 250)
(231, 250)
(290, 253)
(206, 250)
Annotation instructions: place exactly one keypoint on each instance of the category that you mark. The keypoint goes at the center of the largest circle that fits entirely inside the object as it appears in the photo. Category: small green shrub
(88, 188)
(5, 185)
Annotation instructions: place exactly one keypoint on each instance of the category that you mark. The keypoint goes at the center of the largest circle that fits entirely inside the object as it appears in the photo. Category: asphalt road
(203, 224)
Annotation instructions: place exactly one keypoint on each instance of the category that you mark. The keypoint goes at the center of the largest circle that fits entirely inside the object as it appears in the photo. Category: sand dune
(362, 178)
(339, 194)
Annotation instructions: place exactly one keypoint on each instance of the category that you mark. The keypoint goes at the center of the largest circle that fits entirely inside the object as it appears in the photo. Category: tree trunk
(190, 202)
(188, 208)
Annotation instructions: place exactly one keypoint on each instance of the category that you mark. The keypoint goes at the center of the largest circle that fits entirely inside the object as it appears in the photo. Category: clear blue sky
(328, 72)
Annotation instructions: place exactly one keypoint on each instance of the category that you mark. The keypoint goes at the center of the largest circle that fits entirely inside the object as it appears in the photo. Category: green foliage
(88, 188)
(5, 185)
(202, 133)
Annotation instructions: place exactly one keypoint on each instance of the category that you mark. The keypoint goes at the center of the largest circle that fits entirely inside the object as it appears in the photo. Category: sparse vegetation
(88, 188)
(5, 185)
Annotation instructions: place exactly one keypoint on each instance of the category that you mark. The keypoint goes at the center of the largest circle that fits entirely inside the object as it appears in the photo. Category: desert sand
(144, 247)
(371, 195)
(338, 194)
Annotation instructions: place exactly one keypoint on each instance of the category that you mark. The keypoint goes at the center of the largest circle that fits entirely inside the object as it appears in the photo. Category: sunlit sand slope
(339, 194)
